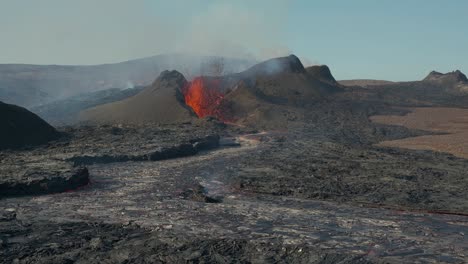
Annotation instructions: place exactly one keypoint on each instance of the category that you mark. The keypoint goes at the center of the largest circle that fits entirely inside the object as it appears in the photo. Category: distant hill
(456, 81)
(455, 76)
(364, 82)
(437, 89)
(32, 85)
(65, 111)
(21, 128)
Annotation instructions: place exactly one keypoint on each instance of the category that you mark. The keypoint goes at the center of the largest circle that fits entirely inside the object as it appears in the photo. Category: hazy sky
(378, 39)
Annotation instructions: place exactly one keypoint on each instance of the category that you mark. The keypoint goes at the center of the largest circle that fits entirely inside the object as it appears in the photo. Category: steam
(130, 85)
(230, 30)
(308, 62)
(141, 28)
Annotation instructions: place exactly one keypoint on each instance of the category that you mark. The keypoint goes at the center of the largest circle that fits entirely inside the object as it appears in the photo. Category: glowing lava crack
(204, 96)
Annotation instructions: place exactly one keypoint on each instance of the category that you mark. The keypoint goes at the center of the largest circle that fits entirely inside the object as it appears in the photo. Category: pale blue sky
(378, 39)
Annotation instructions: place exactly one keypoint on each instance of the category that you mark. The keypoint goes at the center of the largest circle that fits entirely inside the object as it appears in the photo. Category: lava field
(279, 163)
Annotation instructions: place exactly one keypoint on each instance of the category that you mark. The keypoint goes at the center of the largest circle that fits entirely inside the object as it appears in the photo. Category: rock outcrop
(454, 82)
(322, 72)
(455, 76)
(39, 182)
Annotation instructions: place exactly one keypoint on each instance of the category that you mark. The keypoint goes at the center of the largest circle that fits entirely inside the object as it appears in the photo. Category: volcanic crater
(205, 96)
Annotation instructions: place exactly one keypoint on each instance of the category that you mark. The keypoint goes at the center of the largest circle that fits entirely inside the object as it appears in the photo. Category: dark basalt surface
(110, 243)
(40, 181)
(159, 212)
(58, 166)
(326, 170)
(161, 153)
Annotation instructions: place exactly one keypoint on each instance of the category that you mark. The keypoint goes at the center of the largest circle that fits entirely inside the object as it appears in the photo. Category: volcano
(275, 83)
(276, 90)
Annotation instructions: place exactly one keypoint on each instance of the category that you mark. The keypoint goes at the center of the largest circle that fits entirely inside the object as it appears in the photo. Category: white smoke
(227, 29)
(130, 85)
(108, 31)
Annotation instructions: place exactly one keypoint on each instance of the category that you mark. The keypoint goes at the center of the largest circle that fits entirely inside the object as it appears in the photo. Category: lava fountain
(204, 96)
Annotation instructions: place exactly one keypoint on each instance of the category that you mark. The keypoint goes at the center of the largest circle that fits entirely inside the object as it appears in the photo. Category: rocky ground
(60, 165)
(140, 212)
(317, 169)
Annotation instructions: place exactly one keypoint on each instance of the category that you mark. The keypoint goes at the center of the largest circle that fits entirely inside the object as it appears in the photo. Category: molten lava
(204, 96)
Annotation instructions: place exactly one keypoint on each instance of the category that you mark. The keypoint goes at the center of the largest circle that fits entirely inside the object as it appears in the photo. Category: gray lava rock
(35, 184)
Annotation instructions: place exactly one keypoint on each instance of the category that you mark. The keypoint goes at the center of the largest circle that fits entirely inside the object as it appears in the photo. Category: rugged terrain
(59, 165)
(296, 175)
(263, 197)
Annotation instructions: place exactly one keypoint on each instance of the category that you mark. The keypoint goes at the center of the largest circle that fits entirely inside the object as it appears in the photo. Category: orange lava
(204, 96)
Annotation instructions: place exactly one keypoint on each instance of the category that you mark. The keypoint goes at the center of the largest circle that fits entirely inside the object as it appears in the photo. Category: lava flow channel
(204, 96)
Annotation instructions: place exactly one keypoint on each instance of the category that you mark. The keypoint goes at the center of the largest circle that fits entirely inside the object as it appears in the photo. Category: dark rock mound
(21, 128)
(37, 183)
(162, 153)
(321, 72)
(162, 102)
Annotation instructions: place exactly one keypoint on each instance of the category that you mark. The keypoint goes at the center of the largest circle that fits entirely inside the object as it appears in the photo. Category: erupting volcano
(267, 95)
(204, 96)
